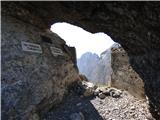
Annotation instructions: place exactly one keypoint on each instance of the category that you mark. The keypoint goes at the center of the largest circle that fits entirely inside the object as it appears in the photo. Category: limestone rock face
(123, 75)
(32, 83)
(135, 25)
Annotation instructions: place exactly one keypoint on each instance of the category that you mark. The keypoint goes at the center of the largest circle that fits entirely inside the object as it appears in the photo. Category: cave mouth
(93, 51)
(104, 64)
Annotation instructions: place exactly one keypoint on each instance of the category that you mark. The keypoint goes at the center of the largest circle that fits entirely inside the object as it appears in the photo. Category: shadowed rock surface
(31, 83)
(123, 75)
(135, 25)
(108, 107)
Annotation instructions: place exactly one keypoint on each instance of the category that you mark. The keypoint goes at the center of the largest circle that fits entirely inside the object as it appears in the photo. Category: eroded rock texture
(32, 83)
(123, 75)
(135, 25)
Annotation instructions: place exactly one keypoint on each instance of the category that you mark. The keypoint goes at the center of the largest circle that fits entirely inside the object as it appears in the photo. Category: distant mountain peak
(96, 69)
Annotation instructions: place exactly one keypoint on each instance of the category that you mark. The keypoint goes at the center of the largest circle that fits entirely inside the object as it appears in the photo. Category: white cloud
(81, 39)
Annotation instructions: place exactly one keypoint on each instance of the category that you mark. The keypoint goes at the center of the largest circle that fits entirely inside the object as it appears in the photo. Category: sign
(56, 51)
(31, 47)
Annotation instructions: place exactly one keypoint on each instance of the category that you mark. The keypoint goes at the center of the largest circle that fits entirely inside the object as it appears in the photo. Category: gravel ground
(125, 107)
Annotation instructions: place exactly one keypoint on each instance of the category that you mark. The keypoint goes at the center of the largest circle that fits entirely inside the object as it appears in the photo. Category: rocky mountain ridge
(97, 69)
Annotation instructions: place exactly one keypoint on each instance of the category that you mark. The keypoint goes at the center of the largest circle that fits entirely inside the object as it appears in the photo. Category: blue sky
(83, 41)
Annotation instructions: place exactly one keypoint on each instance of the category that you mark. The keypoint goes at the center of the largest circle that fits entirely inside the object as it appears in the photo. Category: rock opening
(36, 73)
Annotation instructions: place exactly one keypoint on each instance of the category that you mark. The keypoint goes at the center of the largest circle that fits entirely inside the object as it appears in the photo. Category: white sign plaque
(56, 51)
(31, 47)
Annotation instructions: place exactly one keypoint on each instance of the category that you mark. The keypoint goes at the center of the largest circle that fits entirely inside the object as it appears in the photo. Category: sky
(82, 40)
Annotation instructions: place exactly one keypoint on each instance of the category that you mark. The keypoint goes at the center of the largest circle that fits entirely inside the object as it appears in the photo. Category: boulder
(96, 92)
(106, 92)
(83, 88)
(89, 88)
(115, 92)
(103, 90)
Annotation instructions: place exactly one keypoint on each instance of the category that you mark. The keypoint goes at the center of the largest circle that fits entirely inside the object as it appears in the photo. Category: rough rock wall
(32, 83)
(135, 25)
(123, 75)
(148, 67)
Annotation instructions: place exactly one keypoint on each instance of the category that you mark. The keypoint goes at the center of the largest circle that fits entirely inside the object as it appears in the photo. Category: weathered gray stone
(89, 88)
(32, 82)
(115, 92)
(135, 25)
(106, 92)
(96, 92)
(123, 75)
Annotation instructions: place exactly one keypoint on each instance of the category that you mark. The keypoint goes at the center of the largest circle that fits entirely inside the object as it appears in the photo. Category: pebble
(101, 95)
(132, 108)
(79, 104)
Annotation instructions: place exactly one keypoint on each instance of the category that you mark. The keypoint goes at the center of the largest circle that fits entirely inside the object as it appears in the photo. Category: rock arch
(135, 25)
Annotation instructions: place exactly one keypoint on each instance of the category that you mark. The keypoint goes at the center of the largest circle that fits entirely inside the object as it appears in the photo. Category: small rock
(35, 117)
(101, 89)
(88, 92)
(115, 93)
(132, 108)
(79, 104)
(81, 96)
(77, 116)
(100, 102)
(149, 117)
(96, 92)
(101, 95)
(88, 85)
(89, 88)
(106, 92)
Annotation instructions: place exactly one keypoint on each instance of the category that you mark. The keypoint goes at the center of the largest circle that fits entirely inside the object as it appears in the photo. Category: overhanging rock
(135, 25)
